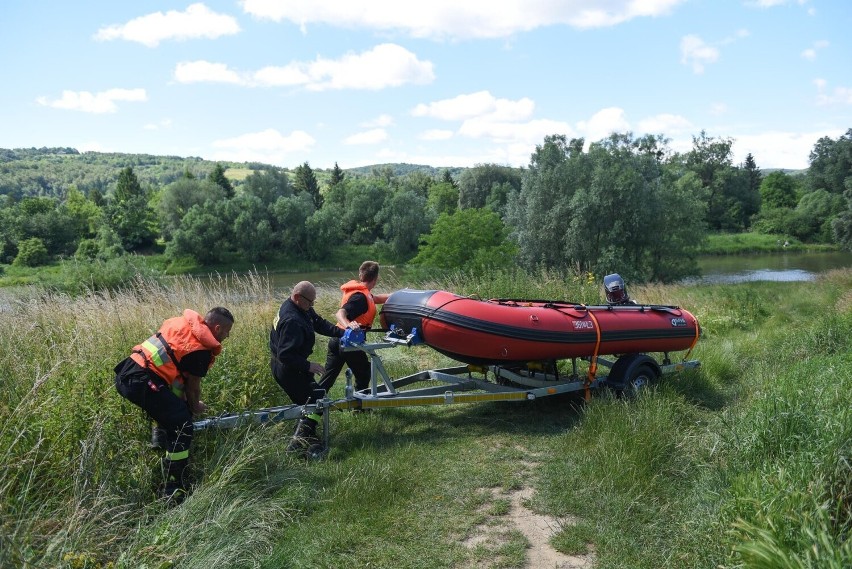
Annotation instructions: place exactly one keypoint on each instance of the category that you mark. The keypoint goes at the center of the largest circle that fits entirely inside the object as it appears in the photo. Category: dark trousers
(336, 359)
(137, 385)
(299, 386)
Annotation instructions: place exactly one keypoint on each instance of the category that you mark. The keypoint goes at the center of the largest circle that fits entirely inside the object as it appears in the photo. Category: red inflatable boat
(518, 331)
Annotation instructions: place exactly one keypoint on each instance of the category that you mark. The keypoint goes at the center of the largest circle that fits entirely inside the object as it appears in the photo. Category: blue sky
(443, 82)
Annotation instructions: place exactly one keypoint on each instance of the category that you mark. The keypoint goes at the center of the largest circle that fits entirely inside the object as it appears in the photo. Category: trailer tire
(633, 373)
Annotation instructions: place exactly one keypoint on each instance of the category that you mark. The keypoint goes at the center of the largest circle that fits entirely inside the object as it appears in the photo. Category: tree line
(627, 204)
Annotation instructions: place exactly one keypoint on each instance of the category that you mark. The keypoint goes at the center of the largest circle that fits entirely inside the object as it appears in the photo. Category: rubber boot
(304, 437)
(174, 490)
(159, 438)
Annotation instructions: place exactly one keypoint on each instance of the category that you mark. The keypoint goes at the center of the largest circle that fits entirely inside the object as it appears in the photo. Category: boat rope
(694, 340)
(593, 363)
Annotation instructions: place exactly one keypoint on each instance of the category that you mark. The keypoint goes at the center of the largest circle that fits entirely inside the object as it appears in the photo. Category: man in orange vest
(357, 310)
(163, 377)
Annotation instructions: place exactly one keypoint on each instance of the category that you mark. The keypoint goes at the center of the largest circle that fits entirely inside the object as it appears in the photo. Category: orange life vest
(162, 352)
(365, 320)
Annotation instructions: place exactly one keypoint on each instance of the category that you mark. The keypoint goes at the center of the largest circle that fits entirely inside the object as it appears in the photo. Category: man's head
(220, 321)
(304, 295)
(368, 272)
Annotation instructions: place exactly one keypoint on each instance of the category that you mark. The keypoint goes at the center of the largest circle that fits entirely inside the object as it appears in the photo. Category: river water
(782, 267)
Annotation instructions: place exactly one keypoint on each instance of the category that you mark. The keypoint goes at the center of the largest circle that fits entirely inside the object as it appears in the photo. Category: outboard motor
(616, 291)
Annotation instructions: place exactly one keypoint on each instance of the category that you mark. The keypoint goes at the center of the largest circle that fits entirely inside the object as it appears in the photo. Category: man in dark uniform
(291, 342)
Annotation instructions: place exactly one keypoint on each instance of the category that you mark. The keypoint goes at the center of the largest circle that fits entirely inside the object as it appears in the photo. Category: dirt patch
(500, 522)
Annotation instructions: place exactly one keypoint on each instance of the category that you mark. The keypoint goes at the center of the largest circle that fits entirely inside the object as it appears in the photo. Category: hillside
(52, 171)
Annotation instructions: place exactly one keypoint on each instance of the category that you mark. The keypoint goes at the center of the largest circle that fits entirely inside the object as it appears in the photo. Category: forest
(625, 203)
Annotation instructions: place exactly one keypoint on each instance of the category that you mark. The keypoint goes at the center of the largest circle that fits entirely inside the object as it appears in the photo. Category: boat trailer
(465, 383)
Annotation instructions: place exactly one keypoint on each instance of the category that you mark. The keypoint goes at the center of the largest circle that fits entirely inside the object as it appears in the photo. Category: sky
(445, 83)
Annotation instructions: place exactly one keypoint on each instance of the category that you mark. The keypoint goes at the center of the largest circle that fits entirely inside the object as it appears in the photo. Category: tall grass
(744, 462)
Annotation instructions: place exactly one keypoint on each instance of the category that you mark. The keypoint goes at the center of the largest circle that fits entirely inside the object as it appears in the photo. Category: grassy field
(744, 462)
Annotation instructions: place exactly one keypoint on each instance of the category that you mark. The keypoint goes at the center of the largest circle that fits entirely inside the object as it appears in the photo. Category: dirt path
(497, 527)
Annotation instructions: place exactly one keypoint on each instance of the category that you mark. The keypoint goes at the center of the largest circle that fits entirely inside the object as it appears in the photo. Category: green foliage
(779, 190)
(305, 181)
(474, 239)
(831, 164)
(177, 198)
(486, 183)
(443, 198)
(404, 217)
(217, 176)
(613, 209)
(203, 234)
(31, 253)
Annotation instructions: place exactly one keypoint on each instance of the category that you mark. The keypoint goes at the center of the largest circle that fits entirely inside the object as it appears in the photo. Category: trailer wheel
(633, 373)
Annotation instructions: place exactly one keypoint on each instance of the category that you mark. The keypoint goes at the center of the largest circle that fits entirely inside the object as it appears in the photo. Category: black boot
(305, 436)
(174, 490)
(159, 438)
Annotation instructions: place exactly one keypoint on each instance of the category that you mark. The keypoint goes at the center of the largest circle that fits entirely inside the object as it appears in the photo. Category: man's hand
(316, 368)
(353, 325)
(200, 408)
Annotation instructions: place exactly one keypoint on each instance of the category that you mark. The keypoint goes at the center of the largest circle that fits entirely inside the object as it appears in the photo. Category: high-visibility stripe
(158, 352)
(315, 416)
(177, 455)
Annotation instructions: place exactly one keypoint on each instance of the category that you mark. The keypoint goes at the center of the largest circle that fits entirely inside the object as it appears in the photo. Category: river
(783, 267)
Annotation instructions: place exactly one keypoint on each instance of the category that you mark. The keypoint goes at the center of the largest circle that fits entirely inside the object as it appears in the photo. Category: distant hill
(52, 171)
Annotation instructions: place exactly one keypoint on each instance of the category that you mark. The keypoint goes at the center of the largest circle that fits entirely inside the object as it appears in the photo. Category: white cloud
(197, 21)
(479, 104)
(603, 123)
(97, 103)
(379, 121)
(385, 65)
(436, 134)
(666, 124)
(268, 146)
(206, 72)
(694, 52)
(161, 125)
(837, 96)
(529, 133)
(717, 109)
(373, 136)
(811, 52)
(779, 149)
(453, 19)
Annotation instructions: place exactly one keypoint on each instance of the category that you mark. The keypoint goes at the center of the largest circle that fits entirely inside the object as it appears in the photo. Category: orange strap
(694, 340)
(593, 363)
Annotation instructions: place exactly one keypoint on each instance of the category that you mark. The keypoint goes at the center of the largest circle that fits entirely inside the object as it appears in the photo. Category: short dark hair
(219, 315)
(369, 271)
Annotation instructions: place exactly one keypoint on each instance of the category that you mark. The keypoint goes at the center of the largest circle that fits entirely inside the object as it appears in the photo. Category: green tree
(842, 225)
(731, 196)
(616, 208)
(290, 214)
(324, 231)
(203, 235)
(252, 234)
(87, 216)
(476, 184)
(268, 185)
(217, 176)
(779, 190)
(404, 218)
(364, 199)
(305, 181)
(470, 238)
(128, 214)
(337, 176)
(831, 164)
(177, 198)
(31, 253)
(443, 198)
